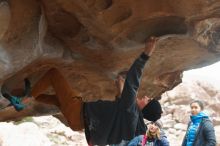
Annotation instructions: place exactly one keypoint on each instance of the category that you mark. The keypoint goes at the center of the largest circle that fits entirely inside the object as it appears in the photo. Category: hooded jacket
(110, 122)
(137, 141)
(200, 131)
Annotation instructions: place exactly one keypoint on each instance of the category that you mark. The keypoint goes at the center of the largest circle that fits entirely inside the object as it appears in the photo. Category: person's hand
(150, 46)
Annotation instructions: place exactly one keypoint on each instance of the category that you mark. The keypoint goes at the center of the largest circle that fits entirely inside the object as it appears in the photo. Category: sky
(209, 73)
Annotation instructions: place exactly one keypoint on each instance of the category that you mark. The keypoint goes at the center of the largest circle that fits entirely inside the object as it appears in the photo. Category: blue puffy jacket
(200, 132)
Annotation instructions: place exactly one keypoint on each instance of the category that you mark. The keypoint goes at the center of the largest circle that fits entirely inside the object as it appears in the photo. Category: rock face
(90, 41)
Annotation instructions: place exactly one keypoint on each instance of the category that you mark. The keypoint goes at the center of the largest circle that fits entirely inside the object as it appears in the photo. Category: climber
(105, 122)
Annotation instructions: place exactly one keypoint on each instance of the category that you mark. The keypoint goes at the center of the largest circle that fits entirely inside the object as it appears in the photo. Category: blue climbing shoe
(17, 103)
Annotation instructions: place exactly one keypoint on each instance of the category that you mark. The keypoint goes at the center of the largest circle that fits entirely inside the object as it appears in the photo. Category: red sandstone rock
(90, 41)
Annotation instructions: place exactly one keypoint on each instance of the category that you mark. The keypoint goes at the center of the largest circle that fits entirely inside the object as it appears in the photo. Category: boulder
(24, 134)
(90, 41)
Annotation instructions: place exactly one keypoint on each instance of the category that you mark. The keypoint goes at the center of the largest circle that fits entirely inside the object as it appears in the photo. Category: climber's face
(142, 102)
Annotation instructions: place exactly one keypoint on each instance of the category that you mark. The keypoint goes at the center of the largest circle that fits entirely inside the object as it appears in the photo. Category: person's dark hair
(200, 103)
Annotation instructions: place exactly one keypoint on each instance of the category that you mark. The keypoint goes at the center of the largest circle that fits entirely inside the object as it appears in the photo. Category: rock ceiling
(90, 41)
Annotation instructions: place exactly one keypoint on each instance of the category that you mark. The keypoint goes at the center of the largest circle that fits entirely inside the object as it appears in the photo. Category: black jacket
(110, 122)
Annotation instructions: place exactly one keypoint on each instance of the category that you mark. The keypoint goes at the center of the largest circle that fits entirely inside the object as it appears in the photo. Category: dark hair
(200, 103)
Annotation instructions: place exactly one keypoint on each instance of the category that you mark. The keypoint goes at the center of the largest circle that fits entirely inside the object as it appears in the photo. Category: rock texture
(48, 130)
(90, 41)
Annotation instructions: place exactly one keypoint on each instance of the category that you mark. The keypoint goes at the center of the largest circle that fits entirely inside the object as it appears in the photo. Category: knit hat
(152, 111)
(159, 123)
